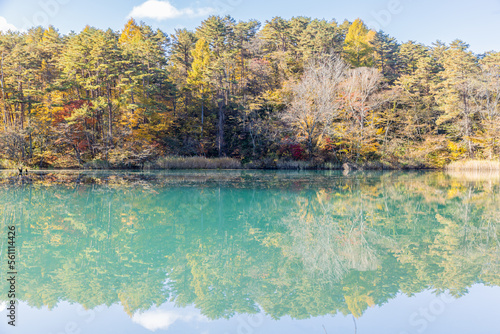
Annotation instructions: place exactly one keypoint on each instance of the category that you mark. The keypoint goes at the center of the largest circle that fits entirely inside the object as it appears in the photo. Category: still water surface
(252, 252)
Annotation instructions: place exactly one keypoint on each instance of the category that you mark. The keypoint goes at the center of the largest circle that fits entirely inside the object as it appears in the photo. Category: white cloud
(163, 10)
(163, 319)
(6, 26)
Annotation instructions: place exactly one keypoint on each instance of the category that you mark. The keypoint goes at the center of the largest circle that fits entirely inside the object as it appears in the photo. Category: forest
(288, 90)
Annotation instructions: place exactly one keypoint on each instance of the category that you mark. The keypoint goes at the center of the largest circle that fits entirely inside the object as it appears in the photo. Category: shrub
(96, 164)
(292, 150)
(7, 164)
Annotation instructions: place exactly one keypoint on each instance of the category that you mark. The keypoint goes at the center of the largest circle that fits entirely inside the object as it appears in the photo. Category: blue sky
(476, 22)
(451, 316)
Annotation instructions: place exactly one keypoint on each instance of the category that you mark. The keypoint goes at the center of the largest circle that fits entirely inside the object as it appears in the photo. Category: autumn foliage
(297, 89)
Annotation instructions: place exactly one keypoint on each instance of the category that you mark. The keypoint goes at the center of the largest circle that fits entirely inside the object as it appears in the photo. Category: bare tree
(360, 95)
(315, 101)
(12, 145)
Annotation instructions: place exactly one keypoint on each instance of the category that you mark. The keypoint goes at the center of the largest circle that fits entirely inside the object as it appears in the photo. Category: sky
(425, 21)
(402, 314)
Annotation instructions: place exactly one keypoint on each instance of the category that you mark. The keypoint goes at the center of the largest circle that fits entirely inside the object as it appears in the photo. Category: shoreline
(150, 179)
(225, 163)
(202, 163)
(34, 170)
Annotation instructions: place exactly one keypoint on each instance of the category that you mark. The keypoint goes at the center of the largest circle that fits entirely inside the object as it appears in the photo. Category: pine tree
(487, 98)
(277, 34)
(386, 55)
(455, 94)
(409, 55)
(218, 32)
(320, 38)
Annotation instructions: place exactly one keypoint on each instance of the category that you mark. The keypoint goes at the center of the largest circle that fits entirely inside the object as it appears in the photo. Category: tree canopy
(232, 88)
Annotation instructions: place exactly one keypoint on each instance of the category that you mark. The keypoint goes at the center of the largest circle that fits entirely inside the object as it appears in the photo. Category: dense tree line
(298, 89)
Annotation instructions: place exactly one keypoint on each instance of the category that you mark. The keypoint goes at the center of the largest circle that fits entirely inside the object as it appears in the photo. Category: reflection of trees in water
(303, 249)
(467, 245)
(330, 247)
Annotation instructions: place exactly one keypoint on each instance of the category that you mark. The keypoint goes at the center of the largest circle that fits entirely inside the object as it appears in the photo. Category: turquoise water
(252, 252)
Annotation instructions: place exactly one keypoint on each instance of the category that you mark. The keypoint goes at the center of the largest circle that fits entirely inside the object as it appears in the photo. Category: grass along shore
(197, 162)
(193, 163)
(474, 165)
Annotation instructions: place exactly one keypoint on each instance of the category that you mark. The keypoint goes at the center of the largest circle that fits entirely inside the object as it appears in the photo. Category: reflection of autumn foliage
(357, 300)
(214, 240)
(329, 248)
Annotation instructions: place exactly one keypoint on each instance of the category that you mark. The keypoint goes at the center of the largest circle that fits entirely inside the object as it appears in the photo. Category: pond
(251, 252)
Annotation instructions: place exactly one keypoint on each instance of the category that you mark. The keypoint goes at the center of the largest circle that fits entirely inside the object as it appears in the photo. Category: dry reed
(194, 163)
(474, 165)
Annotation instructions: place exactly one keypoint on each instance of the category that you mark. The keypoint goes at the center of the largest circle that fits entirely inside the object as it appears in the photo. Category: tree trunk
(5, 118)
(77, 152)
(202, 119)
(310, 147)
(467, 125)
(22, 104)
(220, 132)
(361, 138)
(31, 146)
(110, 115)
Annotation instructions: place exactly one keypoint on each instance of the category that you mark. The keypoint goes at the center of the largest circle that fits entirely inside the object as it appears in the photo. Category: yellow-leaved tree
(358, 44)
(199, 74)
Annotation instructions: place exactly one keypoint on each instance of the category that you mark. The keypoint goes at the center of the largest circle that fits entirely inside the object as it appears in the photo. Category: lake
(251, 252)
